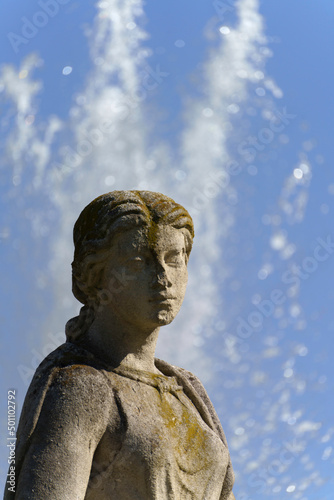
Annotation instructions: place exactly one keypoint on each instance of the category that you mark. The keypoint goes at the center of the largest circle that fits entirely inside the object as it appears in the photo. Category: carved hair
(94, 231)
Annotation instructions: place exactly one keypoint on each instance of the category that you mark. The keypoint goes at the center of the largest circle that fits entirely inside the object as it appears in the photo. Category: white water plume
(27, 147)
(107, 145)
(113, 148)
(208, 190)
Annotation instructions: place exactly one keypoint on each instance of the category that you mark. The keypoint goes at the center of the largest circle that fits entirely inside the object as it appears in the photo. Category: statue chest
(161, 448)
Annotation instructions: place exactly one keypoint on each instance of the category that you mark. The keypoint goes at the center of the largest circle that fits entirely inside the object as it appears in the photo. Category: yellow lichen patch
(189, 438)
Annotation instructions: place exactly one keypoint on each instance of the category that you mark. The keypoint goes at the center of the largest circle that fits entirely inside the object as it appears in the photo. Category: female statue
(103, 418)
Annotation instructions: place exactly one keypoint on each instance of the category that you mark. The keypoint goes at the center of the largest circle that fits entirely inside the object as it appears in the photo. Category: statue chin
(168, 313)
(166, 317)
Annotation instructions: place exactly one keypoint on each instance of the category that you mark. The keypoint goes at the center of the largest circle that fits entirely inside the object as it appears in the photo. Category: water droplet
(305, 168)
(325, 438)
(23, 74)
(67, 70)
(302, 351)
(291, 488)
(260, 91)
(278, 241)
(233, 109)
(262, 274)
(30, 119)
(179, 43)
(256, 299)
(225, 30)
(259, 75)
(288, 251)
(250, 422)
(327, 453)
(298, 173)
(277, 93)
(109, 180)
(131, 25)
(16, 180)
(295, 310)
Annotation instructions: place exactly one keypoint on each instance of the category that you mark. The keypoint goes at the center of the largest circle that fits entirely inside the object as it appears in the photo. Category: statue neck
(121, 344)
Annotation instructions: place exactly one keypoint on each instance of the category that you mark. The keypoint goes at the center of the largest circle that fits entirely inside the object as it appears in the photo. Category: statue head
(99, 225)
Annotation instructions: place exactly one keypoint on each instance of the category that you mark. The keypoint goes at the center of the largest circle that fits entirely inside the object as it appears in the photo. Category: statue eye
(137, 261)
(175, 258)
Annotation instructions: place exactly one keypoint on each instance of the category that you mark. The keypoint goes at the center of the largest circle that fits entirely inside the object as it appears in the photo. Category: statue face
(146, 276)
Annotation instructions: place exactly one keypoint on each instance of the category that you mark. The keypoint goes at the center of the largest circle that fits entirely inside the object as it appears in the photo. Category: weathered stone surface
(103, 418)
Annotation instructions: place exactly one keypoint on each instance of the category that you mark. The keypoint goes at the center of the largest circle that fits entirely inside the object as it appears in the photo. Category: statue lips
(162, 298)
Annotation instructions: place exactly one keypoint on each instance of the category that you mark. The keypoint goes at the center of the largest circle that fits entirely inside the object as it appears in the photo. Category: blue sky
(235, 123)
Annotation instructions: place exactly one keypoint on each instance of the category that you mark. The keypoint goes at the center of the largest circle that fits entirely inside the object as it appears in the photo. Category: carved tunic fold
(162, 439)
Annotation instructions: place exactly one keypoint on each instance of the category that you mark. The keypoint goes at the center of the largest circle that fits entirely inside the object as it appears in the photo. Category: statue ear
(188, 242)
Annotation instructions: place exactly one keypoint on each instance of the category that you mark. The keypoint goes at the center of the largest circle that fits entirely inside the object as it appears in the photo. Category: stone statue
(103, 418)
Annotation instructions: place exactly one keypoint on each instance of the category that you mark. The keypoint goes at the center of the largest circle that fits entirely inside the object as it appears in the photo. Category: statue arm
(71, 423)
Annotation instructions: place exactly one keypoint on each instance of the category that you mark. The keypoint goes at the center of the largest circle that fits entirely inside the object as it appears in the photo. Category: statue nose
(161, 276)
(162, 279)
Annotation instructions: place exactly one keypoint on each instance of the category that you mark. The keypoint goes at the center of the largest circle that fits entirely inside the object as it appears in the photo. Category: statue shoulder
(72, 368)
(68, 380)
